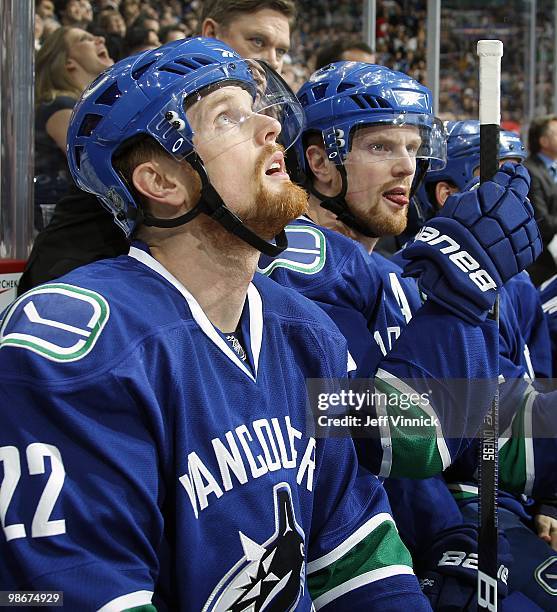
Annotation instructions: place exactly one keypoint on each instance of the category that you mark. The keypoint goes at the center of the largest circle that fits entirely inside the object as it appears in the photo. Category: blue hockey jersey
(142, 463)
(528, 438)
(373, 305)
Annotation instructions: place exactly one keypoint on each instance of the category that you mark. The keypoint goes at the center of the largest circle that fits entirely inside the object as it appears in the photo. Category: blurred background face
(39, 26)
(86, 11)
(73, 13)
(174, 35)
(152, 41)
(115, 24)
(130, 10)
(548, 141)
(50, 25)
(45, 8)
(357, 55)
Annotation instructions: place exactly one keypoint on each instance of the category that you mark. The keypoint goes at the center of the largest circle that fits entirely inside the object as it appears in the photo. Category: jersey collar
(255, 307)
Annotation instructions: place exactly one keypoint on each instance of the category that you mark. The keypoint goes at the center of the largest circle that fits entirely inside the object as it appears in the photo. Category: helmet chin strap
(338, 206)
(211, 204)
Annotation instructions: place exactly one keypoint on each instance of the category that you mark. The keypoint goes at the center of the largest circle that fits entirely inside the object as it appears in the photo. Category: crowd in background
(129, 26)
(118, 28)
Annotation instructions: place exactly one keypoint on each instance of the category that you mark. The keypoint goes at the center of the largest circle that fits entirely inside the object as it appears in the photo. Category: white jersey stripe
(362, 532)
(359, 581)
(131, 600)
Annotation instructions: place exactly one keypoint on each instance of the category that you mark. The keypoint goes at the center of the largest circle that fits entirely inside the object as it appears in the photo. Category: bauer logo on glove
(458, 256)
(479, 240)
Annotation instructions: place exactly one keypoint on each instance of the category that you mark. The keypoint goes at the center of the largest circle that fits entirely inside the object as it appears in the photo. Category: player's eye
(257, 42)
(377, 147)
(224, 120)
(281, 52)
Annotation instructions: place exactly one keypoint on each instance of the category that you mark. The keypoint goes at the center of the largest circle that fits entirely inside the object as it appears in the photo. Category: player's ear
(210, 28)
(316, 159)
(161, 180)
(325, 174)
(442, 191)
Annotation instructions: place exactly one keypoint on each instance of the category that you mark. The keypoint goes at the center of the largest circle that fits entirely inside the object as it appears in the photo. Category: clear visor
(404, 138)
(235, 103)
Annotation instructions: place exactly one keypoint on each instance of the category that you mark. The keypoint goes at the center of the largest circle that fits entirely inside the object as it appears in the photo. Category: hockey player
(369, 131)
(340, 102)
(521, 518)
(81, 232)
(153, 443)
(463, 162)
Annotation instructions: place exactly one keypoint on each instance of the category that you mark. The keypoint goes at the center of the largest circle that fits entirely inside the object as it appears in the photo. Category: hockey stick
(490, 53)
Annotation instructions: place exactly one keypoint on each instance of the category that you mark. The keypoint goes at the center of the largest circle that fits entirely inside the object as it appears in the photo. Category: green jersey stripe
(381, 549)
(342, 549)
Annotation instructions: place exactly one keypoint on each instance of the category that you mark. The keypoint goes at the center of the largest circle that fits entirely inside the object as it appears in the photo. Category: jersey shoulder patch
(306, 252)
(58, 321)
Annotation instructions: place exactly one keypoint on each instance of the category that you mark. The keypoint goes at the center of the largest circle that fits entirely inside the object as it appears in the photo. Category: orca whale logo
(269, 576)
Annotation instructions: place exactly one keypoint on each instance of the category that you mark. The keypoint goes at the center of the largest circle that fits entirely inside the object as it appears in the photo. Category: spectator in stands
(71, 12)
(130, 10)
(147, 22)
(86, 13)
(67, 62)
(44, 8)
(112, 22)
(542, 166)
(108, 4)
(39, 28)
(141, 39)
(50, 25)
(168, 16)
(254, 28)
(350, 51)
(173, 32)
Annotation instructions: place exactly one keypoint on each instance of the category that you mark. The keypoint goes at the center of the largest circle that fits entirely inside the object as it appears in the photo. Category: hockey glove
(479, 240)
(448, 574)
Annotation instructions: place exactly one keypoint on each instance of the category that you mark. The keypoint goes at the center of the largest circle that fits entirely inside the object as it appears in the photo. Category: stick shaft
(490, 52)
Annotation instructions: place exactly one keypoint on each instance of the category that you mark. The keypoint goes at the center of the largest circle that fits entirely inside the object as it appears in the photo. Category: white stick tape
(490, 53)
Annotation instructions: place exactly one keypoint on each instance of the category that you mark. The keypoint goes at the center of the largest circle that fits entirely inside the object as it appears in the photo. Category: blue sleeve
(527, 441)
(528, 446)
(532, 323)
(69, 456)
(356, 559)
(435, 354)
(452, 365)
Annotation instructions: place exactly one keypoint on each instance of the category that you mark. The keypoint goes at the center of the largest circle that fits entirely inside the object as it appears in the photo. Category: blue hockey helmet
(463, 159)
(147, 95)
(344, 96)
